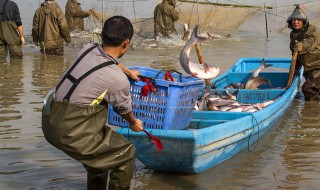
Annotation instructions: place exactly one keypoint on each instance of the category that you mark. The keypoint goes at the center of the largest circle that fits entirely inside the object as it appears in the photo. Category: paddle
(201, 60)
(292, 68)
(156, 141)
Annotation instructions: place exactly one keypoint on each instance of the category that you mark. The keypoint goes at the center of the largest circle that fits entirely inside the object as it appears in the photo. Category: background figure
(11, 30)
(305, 39)
(50, 28)
(164, 17)
(75, 15)
(78, 111)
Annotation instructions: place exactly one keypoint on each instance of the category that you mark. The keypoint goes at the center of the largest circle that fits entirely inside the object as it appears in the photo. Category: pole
(266, 20)
(201, 60)
(102, 16)
(292, 68)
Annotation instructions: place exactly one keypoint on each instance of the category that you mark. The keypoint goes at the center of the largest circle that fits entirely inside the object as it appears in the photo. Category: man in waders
(11, 30)
(75, 15)
(305, 39)
(164, 17)
(75, 120)
(50, 28)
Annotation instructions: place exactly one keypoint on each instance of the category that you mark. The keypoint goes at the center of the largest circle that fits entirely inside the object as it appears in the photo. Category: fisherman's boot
(97, 182)
(120, 177)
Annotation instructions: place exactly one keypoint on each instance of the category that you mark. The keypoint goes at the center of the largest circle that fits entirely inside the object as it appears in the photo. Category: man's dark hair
(116, 30)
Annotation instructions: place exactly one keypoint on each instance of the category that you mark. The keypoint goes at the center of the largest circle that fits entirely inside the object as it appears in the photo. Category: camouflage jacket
(50, 26)
(164, 17)
(75, 15)
(309, 57)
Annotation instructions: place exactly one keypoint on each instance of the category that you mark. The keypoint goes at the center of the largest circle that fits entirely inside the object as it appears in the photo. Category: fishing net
(97, 18)
(212, 16)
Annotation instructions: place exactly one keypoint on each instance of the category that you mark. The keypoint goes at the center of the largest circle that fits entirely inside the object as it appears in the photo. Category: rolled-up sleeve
(119, 97)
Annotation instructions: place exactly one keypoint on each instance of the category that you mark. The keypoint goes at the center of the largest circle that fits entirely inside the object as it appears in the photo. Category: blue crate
(171, 107)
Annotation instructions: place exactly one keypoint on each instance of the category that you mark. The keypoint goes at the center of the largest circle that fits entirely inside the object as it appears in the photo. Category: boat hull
(213, 137)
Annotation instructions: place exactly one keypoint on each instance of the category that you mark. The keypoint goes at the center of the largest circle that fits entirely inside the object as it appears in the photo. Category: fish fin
(194, 74)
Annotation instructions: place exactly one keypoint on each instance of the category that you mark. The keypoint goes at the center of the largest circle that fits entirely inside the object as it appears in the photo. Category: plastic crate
(170, 107)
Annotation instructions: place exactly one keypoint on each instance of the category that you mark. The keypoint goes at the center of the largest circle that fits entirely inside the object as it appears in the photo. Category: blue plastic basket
(170, 107)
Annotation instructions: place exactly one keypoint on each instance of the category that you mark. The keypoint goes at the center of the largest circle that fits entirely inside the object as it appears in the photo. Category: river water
(286, 157)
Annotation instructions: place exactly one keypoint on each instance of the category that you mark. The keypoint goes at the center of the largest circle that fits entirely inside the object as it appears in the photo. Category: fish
(204, 100)
(186, 33)
(202, 71)
(255, 80)
(235, 85)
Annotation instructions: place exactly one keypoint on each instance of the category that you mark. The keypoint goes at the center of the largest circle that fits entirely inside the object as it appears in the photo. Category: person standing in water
(75, 120)
(50, 28)
(11, 30)
(164, 17)
(75, 15)
(305, 39)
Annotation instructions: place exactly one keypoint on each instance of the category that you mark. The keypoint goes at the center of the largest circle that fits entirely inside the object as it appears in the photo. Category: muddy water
(287, 157)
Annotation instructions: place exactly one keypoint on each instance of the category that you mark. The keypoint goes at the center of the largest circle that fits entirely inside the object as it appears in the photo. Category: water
(286, 157)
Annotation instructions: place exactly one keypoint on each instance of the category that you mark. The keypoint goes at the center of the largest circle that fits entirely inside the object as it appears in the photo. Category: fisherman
(164, 17)
(11, 35)
(50, 28)
(75, 15)
(305, 39)
(78, 111)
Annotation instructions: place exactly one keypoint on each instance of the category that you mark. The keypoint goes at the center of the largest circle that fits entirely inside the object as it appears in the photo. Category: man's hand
(297, 46)
(90, 12)
(136, 126)
(135, 74)
(131, 73)
(22, 40)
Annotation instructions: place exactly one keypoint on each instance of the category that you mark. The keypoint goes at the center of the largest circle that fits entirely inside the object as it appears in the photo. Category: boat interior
(203, 119)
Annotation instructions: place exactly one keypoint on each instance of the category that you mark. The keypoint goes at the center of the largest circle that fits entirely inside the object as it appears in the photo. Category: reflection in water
(11, 82)
(302, 153)
(47, 71)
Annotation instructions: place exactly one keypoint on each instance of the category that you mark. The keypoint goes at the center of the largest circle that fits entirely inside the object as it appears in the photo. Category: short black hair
(116, 30)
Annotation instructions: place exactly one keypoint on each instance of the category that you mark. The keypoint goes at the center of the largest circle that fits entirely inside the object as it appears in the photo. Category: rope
(248, 147)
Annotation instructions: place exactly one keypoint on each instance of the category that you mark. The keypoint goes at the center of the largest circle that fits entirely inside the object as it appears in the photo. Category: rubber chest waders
(80, 132)
(9, 37)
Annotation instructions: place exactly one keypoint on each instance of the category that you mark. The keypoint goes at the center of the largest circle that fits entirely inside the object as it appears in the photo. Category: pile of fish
(226, 101)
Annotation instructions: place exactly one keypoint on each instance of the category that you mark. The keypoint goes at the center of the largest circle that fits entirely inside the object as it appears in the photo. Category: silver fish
(202, 71)
(255, 80)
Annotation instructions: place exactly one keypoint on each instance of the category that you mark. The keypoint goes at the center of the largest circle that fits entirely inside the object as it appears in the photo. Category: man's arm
(20, 30)
(134, 74)
(135, 124)
(35, 28)
(64, 30)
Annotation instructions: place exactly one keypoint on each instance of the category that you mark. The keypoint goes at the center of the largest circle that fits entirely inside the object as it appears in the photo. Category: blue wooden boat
(214, 136)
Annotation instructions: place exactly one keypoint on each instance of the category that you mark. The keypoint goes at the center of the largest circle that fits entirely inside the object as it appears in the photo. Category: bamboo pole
(292, 68)
(201, 60)
(266, 20)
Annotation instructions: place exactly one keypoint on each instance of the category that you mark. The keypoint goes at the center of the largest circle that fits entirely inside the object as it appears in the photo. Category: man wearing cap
(305, 39)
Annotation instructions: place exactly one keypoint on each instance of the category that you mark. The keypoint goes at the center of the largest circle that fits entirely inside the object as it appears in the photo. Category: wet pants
(311, 89)
(80, 132)
(10, 40)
